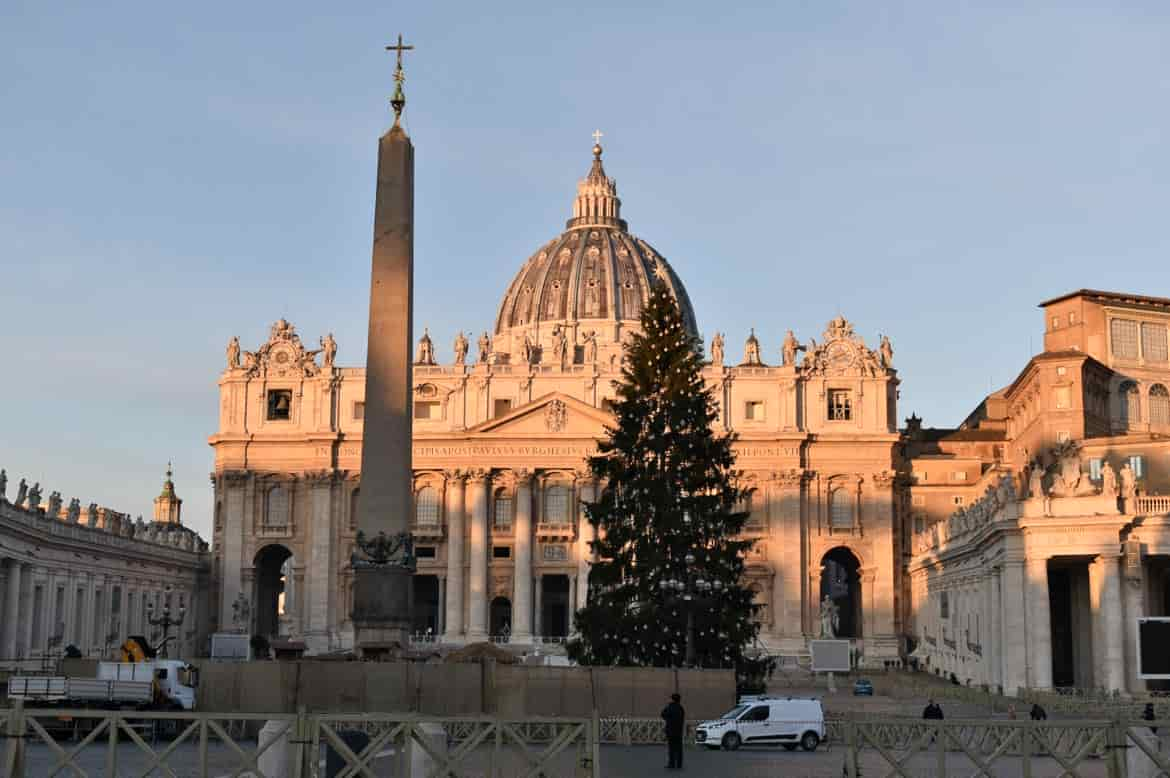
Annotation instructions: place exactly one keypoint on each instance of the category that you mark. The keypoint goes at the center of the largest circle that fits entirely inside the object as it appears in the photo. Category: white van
(789, 722)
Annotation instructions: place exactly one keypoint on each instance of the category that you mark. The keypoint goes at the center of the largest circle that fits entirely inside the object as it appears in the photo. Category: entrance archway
(500, 617)
(841, 581)
(554, 596)
(270, 564)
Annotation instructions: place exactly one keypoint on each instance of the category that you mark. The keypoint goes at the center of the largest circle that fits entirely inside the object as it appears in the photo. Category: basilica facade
(501, 433)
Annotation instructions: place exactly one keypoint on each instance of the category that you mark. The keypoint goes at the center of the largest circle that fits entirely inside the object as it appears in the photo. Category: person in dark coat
(675, 718)
(1148, 715)
(1037, 713)
(932, 711)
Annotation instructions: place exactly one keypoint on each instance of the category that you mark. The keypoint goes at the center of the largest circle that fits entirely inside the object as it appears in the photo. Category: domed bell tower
(167, 506)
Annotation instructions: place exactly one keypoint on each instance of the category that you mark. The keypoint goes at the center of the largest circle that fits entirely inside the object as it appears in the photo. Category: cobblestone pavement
(616, 761)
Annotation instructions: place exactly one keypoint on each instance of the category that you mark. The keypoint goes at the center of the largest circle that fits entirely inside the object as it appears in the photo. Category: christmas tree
(666, 589)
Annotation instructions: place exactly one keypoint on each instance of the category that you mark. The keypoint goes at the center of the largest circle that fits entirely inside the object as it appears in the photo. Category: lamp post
(165, 620)
(692, 591)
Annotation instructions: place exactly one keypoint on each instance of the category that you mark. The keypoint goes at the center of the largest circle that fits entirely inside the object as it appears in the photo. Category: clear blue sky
(175, 174)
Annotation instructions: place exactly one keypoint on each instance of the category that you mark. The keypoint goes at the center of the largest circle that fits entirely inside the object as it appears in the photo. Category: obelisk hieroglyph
(383, 593)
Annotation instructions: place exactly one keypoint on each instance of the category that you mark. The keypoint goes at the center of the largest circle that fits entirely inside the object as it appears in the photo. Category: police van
(785, 721)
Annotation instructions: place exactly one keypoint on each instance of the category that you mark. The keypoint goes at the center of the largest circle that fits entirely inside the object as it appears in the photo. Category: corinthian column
(11, 610)
(456, 491)
(1039, 625)
(586, 533)
(522, 575)
(1105, 598)
(477, 590)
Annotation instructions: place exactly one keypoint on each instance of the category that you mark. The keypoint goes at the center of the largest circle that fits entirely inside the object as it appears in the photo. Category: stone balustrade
(1153, 505)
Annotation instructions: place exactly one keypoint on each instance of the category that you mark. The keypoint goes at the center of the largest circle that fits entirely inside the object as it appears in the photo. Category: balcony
(1154, 505)
(555, 531)
(428, 530)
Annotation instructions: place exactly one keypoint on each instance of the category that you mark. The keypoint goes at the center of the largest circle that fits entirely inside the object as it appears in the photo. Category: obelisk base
(382, 600)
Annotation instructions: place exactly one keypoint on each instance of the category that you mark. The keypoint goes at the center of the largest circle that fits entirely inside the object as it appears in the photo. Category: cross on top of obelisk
(398, 101)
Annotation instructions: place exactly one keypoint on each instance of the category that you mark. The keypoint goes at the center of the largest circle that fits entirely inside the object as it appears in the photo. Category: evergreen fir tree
(669, 557)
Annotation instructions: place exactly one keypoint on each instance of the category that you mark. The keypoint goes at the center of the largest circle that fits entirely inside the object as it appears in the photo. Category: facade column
(456, 493)
(995, 630)
(586, 533)
(90, 617)
(1039, 625)
(232, 488)
(522, 574)
(1134, 587)
(477, 612)
(539, 619)
(1014, 625)
(315, 618)
(49, 626)
(124, 611)
(11, 610)
(441, 616)
(784, 551)
(1105, 599)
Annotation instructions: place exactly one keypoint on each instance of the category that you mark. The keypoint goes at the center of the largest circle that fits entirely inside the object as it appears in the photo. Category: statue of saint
(426, 349)
(485, 348)
(751, 350)
(233, 353)
(3, 484)
(73, 514)
(887, 352)
(329, 349)
(21, 491)
(590, 339)
(1128, 487)
(529, 350)
(460, 348)
(91, 515)
(34, 497)
(791, 347)
(830, 618)
(54, 511)
(1036, 480)
(560, 346)
(717, 350)
(1108, 479)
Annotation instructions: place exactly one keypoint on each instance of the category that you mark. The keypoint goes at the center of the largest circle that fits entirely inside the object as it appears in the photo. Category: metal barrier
(212, 745)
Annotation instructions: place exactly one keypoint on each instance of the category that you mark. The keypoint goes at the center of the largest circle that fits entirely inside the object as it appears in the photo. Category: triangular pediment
(554, 414)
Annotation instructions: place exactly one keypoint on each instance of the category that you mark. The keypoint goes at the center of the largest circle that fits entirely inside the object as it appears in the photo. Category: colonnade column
(456, 493)
(315, 618)
(11, 610)
(522, 575)
(1105, 598)
(477, 614)
(1014, 627)
(1039, 625)
(586, 533)
(995, 630)
(1133, 568)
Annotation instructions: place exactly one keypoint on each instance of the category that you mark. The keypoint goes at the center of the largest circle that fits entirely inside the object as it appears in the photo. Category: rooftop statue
(21, 492)
(54, 511)
(790, 348)
(590, 341)
(73, 513)
(34, 497)
(485, 348)
(233, 353)
(329, 349)
(887, 352)
(3, 484)
(717, 349)
(1108, 479)
(91, 515)
(560, 346)
(461, 346)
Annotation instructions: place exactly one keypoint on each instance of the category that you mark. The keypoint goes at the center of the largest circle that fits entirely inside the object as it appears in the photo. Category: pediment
(552, 414)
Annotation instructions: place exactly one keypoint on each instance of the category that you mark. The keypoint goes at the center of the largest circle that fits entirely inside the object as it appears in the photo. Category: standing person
(675, 718)
(932, 711)
(1012, 712)
(1148, 715)
(1037, 713)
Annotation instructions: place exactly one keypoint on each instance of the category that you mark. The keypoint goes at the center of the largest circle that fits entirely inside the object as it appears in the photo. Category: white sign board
(231, 646)
(1154, 648)
(829, 656)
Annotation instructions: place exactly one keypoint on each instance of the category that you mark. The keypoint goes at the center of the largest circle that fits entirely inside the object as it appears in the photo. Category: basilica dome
(592, 278)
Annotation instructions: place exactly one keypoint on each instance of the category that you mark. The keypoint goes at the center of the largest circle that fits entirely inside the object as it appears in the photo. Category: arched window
(1131, 409)
(276, 507)
(502, 516)
(841, 509)
(1159, 405)
(426, 507)
(556, 505)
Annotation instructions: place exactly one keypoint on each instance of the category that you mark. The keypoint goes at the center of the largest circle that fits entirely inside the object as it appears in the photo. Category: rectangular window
(944, 605)
(556, 505)
(959, 475)
(500, 407)
(920, 476)
(359, 411)
(1063, 436)
(424, 552)
(279, 404)
(501, 552)
(1136, 464)
(1072, 318)
(555, 553)
(753, 410)
(918, 499)
(1055, 322)
(1061, 396)
(840, 405)
(1095, 469)
(1153, 342)
(1124, 335)
(426, 410)
(1061, 370)
(959, 499)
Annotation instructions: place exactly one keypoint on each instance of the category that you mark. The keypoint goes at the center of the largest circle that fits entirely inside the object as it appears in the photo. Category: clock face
(839, 356)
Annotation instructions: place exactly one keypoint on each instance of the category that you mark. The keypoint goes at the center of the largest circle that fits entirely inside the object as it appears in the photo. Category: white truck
(157, 684)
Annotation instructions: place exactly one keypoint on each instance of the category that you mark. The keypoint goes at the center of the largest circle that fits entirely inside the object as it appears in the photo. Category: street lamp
(691, 591)
(165, 620)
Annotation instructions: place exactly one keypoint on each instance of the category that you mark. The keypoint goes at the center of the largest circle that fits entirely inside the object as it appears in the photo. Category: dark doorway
(426, 604)
(500, 618)
(842, 583)
(554, 598)
(270, 585)
(1070, 616)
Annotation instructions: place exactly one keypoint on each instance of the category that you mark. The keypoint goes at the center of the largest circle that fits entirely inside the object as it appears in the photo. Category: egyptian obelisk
(383, 594)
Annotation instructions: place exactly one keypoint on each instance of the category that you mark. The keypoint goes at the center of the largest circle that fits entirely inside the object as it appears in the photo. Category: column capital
(788, 479)
(319, 478)
(478, 474)
(455, 475)
(1108, 557)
